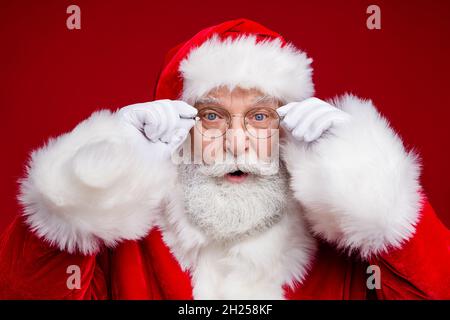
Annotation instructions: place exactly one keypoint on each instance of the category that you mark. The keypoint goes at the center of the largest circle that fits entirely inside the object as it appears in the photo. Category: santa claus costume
(90, 201)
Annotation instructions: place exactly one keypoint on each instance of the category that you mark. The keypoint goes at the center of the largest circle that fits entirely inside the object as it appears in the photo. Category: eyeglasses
(259, 122)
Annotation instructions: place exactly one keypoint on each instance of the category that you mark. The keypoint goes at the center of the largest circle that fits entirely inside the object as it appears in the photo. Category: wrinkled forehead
(237, 99)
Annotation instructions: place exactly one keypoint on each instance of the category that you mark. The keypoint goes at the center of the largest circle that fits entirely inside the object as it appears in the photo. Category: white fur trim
(283, 72)
(254, 268)
(93, 186)
(358, 185)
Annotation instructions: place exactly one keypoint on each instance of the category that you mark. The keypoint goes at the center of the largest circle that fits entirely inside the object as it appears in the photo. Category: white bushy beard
(227, 211)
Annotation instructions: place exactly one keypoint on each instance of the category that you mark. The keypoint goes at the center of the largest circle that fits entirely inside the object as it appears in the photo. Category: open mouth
(236, 176)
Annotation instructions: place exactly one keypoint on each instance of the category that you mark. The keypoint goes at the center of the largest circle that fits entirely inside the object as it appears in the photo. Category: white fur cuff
(357, 184)
(93, 186)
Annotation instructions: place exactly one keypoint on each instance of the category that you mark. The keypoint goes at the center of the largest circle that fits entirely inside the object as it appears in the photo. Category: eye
(260, 116)
(210, 115)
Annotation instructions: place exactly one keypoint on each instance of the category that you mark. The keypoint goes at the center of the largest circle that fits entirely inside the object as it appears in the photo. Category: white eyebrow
(214, 100)
(207, 100)
(262, 99)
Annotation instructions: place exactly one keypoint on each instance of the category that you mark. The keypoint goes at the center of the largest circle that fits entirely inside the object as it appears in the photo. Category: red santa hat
(235, 53)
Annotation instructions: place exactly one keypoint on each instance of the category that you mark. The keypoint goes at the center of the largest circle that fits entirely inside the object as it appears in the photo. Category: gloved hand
(165, 123)
(309, 119)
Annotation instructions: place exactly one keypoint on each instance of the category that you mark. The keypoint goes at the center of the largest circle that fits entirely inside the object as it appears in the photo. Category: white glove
(309, 119)
(165, 123)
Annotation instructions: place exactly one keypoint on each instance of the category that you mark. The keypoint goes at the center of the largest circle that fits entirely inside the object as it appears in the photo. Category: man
(187, 196)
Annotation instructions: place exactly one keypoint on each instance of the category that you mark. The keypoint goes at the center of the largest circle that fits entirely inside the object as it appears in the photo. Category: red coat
(32, 269)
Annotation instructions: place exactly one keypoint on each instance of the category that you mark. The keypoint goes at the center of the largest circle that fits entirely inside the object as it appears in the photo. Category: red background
(51, 78)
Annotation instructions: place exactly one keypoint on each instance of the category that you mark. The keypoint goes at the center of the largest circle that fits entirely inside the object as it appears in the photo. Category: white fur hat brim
(280, 71)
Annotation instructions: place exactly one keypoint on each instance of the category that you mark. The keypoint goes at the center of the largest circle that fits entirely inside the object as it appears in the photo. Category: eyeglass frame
(230, 116)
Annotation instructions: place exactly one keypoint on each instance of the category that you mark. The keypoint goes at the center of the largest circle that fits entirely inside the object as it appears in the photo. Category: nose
(236, 138)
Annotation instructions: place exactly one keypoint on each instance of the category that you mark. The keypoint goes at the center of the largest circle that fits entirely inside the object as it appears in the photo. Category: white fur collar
(255, 268)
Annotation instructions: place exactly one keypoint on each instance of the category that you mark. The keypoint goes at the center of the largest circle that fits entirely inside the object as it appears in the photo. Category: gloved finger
(322, 124)
(131, 116)
(153, 125)
(185, 110)
(174, 122)
(144, 117)
(162, 116)
(149, 132)
(185, 124)
(135, 108)
(141, 121)
(296, 114)
(282, 111)
(178, 138)
(307, 118)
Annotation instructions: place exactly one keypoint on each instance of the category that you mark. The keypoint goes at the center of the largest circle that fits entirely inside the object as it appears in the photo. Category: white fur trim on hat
(283, 72)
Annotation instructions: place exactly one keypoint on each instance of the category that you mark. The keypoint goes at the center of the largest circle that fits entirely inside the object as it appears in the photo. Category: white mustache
(243, 163)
